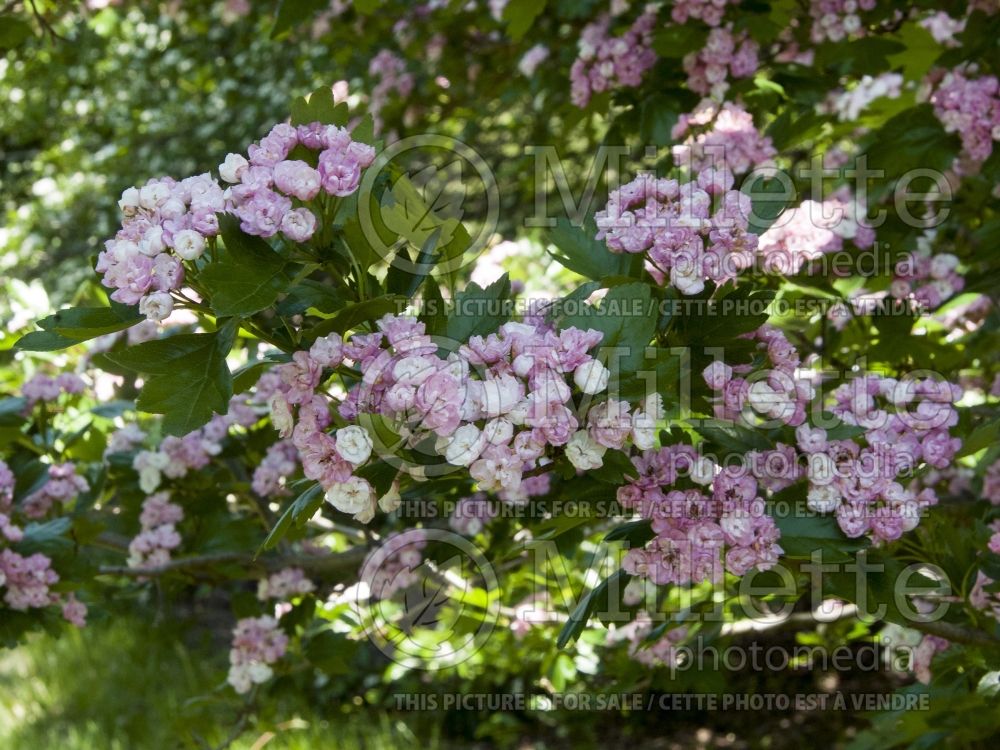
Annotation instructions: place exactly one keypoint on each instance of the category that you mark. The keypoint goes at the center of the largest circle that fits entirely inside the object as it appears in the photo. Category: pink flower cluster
(176, 456)
(165, 223)
(74, 611)
(284, 584)
(903, 423)
(970, 107)
(684, 237)
(392, 566)
(772, 392)
(45, 389)
(720, 138)
(497, 405)
(980, 597)
(27, 580)
(929, 280)
(278, 464)
(125, 439)
(991, 483)
(535, 486)
(813, 229)
(269, 184)
(943, 28)
(606, 61)
(471, 514)
(709, 11)
(7, 483)
(923, 655)
(660, 653)
(159, 536)
(8, 529)
(257, 644)
(168, 223)
(704, 522)
(849, 104)
(531, 59)
(63, 484)
(390, 76)
(837, 20)
(725, 54)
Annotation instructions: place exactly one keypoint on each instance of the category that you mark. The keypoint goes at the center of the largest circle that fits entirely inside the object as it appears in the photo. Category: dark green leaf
(578, 251)
(319, 106)
(520, 15)
(77, 324)
(189, 377)
(626, 317)
(352, 315)
(596, 599)
(478, 312)
(247, 276)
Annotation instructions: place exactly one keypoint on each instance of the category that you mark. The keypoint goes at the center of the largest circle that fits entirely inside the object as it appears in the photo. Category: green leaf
(433, 311)
(43, 341)
(189, 379)
(352, 315)
(246, 376)
(292, 13)
(331, 652)
(722, 319)
(793, 126)
(676, 40)
(981, 437)
(913, 139)
(920, 51)
(248, 275)
(636, 533)
(596, 598)
(319, 106)
(310, 294)
(13, 31)
(478, 311)
(880, 574)
(803, 534)
(868, 55)
(48, 537)
(626, 317)
(732, 436)
(769, 198)
(430, 201)
(660, 373)
(359, 246)
(379, 474)
(74, 325)
(10, 412)
(299, 512)
(364, 131)
(615, 468)
(659, 114)
(520, 15)
(577, 250)
(405, 275)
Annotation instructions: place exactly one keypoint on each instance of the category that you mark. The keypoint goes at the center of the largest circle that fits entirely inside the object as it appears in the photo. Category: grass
(124, 685)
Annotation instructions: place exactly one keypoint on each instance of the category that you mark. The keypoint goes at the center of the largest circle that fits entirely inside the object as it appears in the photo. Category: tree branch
(326, 565)
(955, 633)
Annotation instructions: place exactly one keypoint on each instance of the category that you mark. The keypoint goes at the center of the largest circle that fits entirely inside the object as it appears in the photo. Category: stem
(332, 564)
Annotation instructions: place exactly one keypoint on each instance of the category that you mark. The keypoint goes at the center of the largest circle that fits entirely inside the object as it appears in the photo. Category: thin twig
(321, 564)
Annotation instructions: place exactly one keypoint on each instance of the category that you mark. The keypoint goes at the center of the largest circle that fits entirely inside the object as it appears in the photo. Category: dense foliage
(545, 349)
